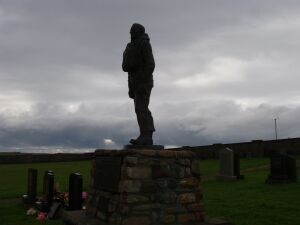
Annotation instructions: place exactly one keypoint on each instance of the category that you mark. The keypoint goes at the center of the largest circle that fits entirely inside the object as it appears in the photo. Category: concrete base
(144, 147)
(79, 218)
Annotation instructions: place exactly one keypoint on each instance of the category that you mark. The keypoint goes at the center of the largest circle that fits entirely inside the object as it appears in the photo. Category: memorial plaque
(108, 173)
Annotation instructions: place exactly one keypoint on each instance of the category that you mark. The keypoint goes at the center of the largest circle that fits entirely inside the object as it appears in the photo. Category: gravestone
(283, 169)
(229, 165)
(75, 191)
(48, 187)
(30, 198)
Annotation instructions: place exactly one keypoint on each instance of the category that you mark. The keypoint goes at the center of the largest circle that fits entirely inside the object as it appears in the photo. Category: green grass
(13, 179)
(250, 201)
(14, 176)
(246, 202)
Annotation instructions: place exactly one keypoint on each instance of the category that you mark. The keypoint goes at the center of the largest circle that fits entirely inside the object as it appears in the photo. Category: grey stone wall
(255, 148)
(38, 158)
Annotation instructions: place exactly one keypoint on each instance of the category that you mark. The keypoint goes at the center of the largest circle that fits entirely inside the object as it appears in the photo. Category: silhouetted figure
(138, 61)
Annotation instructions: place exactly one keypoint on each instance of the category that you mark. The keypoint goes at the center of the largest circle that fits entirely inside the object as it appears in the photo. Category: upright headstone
(283, 169)
(75, 191)
(30, 198)
(48, 187)
(236, 165)
(229, 165)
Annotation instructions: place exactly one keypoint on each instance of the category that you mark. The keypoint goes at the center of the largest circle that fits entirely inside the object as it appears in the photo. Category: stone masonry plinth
(145, 187)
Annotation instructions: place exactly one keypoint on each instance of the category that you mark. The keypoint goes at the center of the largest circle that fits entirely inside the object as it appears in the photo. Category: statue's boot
(143, 139)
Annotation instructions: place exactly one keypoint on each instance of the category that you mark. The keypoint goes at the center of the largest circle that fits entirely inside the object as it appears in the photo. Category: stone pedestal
(145, 187)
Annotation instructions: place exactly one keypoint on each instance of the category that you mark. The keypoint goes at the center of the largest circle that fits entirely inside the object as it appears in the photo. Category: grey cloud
(61, 81)
(194, 123)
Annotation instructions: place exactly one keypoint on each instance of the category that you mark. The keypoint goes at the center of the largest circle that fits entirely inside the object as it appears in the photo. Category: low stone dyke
(43, 157)
(255, 148)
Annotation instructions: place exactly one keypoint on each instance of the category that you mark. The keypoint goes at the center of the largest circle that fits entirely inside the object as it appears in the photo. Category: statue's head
(136, 31)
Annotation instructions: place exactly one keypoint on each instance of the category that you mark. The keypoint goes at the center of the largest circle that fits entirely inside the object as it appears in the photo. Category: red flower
(41, 216)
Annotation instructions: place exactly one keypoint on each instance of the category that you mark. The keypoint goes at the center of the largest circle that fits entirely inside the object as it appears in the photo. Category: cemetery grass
(13, 180)
(251, 201)
(246, 202)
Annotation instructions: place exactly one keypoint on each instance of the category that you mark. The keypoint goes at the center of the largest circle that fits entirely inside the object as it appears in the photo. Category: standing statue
(138, 61)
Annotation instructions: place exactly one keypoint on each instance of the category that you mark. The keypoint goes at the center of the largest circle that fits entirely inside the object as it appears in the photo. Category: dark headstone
(107, 176)
(75, 191)
(44, 180)
(48, 187)
(283, 169)
(236, 166)
(30, 198)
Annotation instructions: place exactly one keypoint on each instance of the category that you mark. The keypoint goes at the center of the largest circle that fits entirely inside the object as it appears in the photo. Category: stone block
(131, 160)
(138, 172)
(149, 186)
(137, 220)
(132, 198)
(167, 219)
(130, 186)
(189, 182)
(167, 197)
(184, 162)
(195, 207)
(146, 207)
(175, 209)
(199, 216)
(196, 168)
(160, 171)
(186, 218)
(186, 198)
(173, 183)
(178, 171)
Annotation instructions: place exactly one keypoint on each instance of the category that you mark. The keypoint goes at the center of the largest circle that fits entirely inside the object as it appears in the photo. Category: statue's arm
(124, 66)
(149, 63)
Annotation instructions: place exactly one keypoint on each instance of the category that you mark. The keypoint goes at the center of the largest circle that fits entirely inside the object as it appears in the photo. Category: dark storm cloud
(194, 123)
(224, 70)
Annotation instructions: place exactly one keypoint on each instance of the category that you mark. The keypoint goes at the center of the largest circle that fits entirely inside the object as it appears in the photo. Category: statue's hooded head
(137, 30)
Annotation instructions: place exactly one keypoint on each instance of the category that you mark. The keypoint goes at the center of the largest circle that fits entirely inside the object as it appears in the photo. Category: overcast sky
(224, 70)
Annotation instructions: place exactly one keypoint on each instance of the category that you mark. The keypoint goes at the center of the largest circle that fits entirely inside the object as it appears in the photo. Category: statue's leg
(144, 116)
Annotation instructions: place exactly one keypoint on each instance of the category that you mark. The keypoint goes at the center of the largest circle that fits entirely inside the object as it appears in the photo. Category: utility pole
(275, 120)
